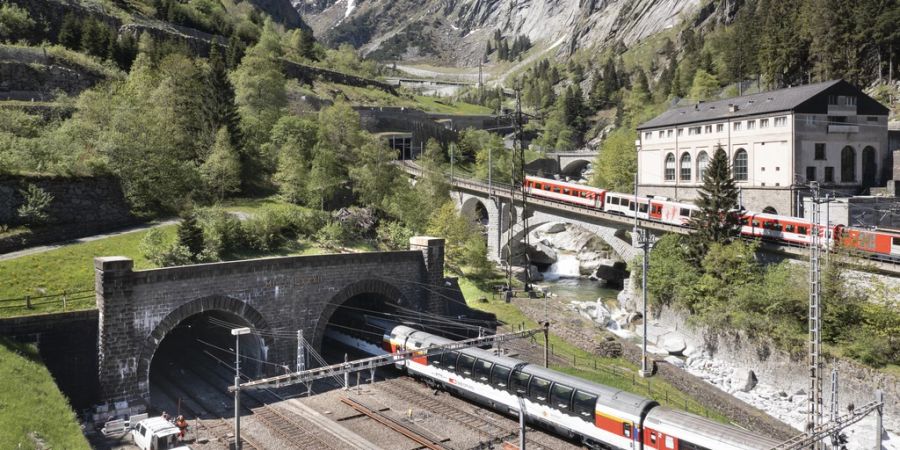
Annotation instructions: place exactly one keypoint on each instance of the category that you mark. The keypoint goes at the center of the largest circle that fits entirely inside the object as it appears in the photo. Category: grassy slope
(33, 413)
(615, 372)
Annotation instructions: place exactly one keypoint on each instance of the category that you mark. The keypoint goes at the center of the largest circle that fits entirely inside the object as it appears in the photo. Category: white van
(156, 433)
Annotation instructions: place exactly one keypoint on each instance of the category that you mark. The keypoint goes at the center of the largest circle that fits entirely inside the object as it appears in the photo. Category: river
(562, 279)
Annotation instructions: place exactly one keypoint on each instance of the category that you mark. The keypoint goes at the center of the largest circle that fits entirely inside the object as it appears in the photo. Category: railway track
(302, 436)
(404, 389)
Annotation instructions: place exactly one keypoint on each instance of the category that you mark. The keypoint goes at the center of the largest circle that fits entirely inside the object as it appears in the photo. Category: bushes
(34, 209)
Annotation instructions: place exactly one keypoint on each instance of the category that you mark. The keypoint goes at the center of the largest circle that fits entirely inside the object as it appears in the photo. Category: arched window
(848, 164)
(869, 167)
(740, 165)
(770, 210)
(702, 162)
(685, 174)
(670, 167)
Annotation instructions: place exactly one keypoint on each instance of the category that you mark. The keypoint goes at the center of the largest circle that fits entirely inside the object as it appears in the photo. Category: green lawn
(33, 413)
(616, 372)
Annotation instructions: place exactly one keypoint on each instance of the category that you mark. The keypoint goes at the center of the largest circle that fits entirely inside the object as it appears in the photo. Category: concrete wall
(138, 308)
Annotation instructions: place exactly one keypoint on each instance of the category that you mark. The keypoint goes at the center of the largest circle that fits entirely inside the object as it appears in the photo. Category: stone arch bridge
(138, 309)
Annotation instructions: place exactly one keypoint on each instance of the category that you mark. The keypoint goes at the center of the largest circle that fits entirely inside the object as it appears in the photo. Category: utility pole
(521, 422)
(643, 239)
(519, 178)
(237, 333)
(814, 412)
(835, 439)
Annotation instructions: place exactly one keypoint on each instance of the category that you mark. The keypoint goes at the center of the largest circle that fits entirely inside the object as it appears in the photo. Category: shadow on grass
(28, 351)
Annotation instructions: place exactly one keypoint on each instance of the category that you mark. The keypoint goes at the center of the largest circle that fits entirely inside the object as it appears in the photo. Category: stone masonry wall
(81, 206)
(137, 308)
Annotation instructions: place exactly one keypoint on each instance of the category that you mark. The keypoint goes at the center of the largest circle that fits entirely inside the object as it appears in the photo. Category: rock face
(595, 258)
(457, 31)
(541, 253)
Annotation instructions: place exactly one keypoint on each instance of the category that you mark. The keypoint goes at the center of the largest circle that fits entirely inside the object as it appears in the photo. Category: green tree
(493, 156)
(372, 173)
(457, 231)
(221, 172)
(325, 177)
(616, 164)
(190, 235)
(704, 87)
(294, 140)
(782, 50)
(35, 201)
(718, 219)
(433, 183)
(340, 131)
(15, 23)
(70, 32)
(220, 102)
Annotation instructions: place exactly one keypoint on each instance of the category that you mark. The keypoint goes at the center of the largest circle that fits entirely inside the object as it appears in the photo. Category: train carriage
(882, 242)
(669, 429)
(624, 204)
(675, 213)
(578, 194)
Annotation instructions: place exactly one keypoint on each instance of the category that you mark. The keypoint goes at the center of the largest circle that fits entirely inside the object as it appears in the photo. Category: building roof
(747, 105)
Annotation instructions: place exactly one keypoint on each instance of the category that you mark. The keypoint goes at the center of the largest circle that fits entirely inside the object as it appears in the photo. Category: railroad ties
(290, 429)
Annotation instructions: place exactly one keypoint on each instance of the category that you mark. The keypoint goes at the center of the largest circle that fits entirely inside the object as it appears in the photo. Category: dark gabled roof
(762, 103)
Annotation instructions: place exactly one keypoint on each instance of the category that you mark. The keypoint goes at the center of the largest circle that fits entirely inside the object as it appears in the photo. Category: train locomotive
(879, 243)
(599, 416)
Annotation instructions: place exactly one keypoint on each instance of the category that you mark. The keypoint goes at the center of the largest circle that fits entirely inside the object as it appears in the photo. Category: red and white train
(797, 231)
(599, 416)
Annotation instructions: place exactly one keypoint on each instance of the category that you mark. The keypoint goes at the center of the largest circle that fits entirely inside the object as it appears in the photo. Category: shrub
(222, 232)
(190, 235)
(33, 210)
(332, 235)
(393, 235)
(162, 252)
(264, 231)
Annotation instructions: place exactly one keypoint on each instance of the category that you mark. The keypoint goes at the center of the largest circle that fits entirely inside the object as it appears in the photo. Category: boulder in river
(541, 253)
(743, 380)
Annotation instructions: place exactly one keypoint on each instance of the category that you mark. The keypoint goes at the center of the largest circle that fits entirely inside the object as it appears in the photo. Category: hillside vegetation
(33, 413)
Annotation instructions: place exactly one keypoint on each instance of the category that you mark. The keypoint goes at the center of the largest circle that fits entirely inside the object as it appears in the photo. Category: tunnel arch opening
(361, 311)
(576, 169)
(188, 360)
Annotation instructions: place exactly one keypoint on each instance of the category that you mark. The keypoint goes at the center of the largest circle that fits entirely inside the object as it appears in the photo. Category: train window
(685, 445)
(789, 228)
(684, 212)
(755, 224)
(500, 376)
(566, 191)
(777, 227)
(657, 209)
(643, 207)
(897, 241)
(434, 358)
(546, 187)
(626, 429)
(482, 370)
(537, 185)
(561, 397)
(556, 189)
(464, 365)
(631, 206)
(539, 390)
(652, 437)
(670, 442)
(450, 360)
(613, 200)
(519, 383)
(802, 230)
(584, 405)
(625, 202)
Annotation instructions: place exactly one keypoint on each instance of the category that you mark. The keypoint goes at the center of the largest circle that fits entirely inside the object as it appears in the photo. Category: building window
(872, 119)
(829, 174)
(810, 174)
(685, 167)
(680, 131)
(848, 165)
(720, 127)
(670, 167)
(832, 99)
(850, 100)
(837, 119)
(740, 165)
(661, 133)
(751, 124)
(869, 166)
(780, 121)
(692, 131)
(702, 162)
(737, 126)
(810, 121)
(707, 129)
(820, 151)
(668, 133)
(764, 123)
(647, 134)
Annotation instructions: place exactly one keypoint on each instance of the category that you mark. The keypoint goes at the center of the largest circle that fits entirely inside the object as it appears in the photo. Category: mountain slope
(457, 30)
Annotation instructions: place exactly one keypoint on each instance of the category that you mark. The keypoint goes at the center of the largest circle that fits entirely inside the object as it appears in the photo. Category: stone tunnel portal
(194, 363)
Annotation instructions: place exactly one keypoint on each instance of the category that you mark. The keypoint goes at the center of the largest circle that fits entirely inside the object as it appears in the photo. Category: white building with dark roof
(777, 142)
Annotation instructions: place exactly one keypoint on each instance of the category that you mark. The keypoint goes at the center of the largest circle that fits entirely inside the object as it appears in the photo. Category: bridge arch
(233, 310)
(476, 209)
(377, 290)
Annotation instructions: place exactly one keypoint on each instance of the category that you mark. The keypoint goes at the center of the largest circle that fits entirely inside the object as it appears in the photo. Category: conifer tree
(70, 32)
(222, 170)
(220, 105)
(718, 219)
(190, 235)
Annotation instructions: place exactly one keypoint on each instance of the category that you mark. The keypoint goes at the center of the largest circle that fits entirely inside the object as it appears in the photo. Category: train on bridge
(878, 243)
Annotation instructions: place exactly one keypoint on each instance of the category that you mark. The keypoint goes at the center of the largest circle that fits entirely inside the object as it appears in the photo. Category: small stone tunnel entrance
(193, 365)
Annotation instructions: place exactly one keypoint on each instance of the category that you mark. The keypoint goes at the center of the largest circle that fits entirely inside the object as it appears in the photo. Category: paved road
(46, 248)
